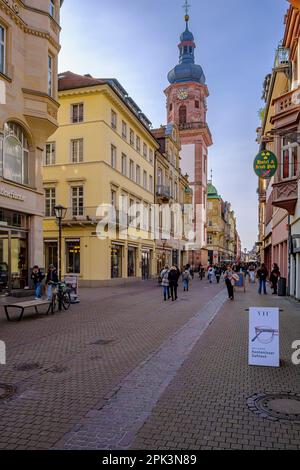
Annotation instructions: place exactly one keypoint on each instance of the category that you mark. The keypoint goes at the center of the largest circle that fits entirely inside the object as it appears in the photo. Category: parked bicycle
(61, 299)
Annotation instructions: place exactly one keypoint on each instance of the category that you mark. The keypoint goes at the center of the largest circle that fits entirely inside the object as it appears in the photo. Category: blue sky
(136, 42)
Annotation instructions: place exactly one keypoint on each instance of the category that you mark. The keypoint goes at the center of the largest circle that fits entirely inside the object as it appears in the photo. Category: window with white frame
(50, 154)
(2, 48)
(124, 164)
(151, 156)
(114, 119)
(131, 170)
(138, 143)
(50, 202)
(145, 151)
(50, 75)
(113, 157)
(52, 8)
(15, 158)
(77, 113)
(209, 239)
(131, 137)
(290, 157)
(124, 130)
(77, 200)
(145, 179)
(113, 196)
(138, 174)
(76, 150)
(151, 184)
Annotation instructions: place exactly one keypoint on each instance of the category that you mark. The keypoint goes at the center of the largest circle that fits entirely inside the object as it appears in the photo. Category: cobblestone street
(125, 370)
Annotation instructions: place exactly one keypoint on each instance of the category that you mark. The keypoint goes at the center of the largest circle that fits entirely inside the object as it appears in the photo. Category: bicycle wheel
(66, 301)
(54, 304)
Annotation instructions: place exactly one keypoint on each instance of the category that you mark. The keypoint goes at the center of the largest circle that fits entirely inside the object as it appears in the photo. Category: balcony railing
(286, 195)
(163, 192)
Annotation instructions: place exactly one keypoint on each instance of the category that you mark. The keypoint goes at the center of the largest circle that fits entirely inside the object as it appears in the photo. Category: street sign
(264, 337)
(265, 164)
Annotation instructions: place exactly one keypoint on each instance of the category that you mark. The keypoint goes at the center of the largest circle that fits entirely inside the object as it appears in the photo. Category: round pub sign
(265, 164)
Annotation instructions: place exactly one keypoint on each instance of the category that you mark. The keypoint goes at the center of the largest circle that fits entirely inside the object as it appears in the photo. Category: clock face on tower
(182, 95)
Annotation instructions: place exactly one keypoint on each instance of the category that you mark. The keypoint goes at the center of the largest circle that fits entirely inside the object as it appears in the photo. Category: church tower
(186, 107)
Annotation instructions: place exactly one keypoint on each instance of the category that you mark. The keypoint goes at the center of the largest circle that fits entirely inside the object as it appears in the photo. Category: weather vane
(186, 7)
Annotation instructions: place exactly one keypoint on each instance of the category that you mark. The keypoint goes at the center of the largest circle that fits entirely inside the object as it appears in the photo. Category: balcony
(287, 108)
(163, 193)
(286, 195)
(87, 216)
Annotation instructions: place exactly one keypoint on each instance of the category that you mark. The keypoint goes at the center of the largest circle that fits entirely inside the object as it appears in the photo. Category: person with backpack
(186, 278)
(37, 277)
(173, 282)
(165, 283)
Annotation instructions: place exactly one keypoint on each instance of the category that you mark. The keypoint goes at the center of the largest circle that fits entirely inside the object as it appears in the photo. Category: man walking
(173, 282)
(165, 283)
(262, 275)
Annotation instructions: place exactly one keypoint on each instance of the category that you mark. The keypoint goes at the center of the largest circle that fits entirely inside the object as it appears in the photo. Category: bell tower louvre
(186, 107)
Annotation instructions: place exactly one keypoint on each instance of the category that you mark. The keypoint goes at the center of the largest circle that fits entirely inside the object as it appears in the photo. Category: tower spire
(186, 8)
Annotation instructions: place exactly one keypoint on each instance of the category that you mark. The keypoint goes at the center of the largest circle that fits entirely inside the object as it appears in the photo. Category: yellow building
(29, 46)
(172, 192)
(102, 154)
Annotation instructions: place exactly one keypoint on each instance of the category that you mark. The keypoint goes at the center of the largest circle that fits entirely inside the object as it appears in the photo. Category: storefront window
(51, 254)
(19, 260)
(146, 262)
(116, 262)
(131, 262)
(15, 154)
(73, 257)
(4, 261)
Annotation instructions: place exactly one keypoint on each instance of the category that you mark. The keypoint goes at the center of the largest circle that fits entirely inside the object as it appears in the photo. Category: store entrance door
(146, 263)
(4, 261)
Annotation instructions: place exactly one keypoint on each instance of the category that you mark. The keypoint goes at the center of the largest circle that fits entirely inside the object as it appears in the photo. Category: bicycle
(61, 298)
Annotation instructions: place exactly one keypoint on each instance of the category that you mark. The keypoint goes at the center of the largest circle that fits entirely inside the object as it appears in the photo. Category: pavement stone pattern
(114, 425)
(65, 365)
(205, 406)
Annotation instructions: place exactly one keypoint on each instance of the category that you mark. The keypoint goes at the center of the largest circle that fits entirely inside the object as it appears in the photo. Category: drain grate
(283, 407)
(28, 366)
(6, 391)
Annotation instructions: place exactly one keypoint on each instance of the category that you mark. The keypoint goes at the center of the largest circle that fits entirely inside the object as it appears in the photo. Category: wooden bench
(26, 305)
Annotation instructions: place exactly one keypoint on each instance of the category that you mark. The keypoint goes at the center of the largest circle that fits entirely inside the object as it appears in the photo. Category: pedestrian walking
(37, 276)
(274, 278)
(51, 280)
(230, 279)
(262, 275)
(252, 274)
(165, 283)
(218, 273)
(173, 282)
(186, 278)
(210, 274)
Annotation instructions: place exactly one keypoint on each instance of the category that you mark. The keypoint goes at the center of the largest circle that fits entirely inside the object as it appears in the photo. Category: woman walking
(173, 282)
(262, 275)
(230, 279)
(274, 278)
(186, 278)
(165, 283)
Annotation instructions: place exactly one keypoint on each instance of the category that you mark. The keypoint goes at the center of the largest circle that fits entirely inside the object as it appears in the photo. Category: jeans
(49, 291)
(173, 289)
(38, 290)
(229, 288)
(262, 286)
(186, 284)
(166, 292)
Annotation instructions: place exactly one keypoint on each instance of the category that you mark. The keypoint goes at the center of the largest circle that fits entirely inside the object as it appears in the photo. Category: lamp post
(60, 214)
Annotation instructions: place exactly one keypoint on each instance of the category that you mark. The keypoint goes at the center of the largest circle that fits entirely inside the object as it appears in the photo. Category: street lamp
(60, 214)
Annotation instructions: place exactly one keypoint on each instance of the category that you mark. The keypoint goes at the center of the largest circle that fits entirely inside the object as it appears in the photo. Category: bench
(29, 304)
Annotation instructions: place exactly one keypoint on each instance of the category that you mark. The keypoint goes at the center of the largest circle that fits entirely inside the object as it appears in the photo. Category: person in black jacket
(37, 276)
(174, 275)
(51, 280)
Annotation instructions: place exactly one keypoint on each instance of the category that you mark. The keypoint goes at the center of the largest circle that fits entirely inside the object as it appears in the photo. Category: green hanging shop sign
(265, 164)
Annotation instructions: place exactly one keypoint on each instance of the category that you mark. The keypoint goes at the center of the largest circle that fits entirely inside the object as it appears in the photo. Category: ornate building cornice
(12, 9)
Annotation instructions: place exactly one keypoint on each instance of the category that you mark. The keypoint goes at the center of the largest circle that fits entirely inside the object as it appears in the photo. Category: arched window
(182, 115)
(15, 153)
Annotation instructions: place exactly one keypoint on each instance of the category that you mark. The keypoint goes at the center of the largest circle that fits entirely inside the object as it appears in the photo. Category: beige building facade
(29, 46)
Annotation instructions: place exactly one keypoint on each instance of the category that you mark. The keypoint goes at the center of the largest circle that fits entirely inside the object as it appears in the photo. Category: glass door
(4, 261)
